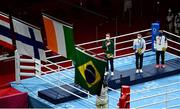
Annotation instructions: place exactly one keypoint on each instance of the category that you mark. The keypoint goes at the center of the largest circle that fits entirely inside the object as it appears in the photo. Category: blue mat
(149, 73)
(128, 77)
(33, 85)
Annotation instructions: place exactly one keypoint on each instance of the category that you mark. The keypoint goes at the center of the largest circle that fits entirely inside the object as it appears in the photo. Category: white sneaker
(112, 73)
(140, 71)
(137, 71)
(106, 73)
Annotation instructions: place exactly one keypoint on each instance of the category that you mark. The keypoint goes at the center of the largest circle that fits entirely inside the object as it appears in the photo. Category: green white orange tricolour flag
(59, 37)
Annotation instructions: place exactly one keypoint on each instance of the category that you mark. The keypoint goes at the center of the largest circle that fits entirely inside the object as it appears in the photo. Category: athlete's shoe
(106, 73)
(137, 70)
(157, 65)
(112, 73)
(140, 70)
(163, 65)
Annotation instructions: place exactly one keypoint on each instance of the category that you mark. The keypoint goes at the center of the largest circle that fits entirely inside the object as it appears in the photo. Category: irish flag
(59, 37)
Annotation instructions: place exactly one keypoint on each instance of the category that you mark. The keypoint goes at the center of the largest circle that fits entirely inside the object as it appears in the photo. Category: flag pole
(12, 32)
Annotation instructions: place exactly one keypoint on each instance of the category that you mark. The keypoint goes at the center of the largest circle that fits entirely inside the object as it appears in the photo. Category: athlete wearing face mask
(160, 45)
(139, 46)
(108, 47)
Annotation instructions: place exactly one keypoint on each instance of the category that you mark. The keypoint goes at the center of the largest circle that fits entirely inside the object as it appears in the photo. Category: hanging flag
(5, 33)
(28, 40)
(59, 37)
(89, 71)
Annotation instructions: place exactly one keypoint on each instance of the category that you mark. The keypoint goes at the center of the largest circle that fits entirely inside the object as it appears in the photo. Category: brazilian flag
(89, 71)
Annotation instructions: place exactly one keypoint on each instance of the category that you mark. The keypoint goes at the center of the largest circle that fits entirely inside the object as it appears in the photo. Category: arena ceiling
(104, 9)
(85, 15)
(31, 9)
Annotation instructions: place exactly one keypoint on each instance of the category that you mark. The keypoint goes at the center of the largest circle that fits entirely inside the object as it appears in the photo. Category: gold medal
(139, 51)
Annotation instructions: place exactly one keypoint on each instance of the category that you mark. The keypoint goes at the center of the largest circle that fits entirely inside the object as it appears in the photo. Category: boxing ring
(160, 93)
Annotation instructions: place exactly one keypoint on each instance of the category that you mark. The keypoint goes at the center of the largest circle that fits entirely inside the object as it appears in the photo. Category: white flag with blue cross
(28, 39)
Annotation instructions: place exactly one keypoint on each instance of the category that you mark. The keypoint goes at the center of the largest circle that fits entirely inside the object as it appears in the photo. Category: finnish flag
(28, 40)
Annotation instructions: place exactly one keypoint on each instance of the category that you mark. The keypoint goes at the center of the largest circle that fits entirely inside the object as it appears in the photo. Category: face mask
(139, 37)
(107, 38)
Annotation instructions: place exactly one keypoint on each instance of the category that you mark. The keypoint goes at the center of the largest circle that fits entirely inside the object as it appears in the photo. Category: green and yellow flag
(89, 71)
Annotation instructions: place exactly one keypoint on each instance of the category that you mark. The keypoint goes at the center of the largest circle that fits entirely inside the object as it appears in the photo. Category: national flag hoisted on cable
(89, 71)
(28, 39)
(5, 33)
(59, 36)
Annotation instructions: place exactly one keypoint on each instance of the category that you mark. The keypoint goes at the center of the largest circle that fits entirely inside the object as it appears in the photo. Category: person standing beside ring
(177, 24)
(170, 18)
(108, 47)
(139, 46)
(160, 45)
(102, 98)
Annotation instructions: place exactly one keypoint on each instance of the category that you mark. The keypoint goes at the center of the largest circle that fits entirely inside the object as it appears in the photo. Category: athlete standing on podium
(160, 45)
(108, 46)
(139, 46)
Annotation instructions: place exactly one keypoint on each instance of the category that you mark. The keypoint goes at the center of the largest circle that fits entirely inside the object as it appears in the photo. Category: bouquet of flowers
(163, 49)
(139, 51)
(109, 55)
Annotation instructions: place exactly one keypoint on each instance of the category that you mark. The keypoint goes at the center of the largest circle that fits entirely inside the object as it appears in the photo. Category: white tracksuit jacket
(160, 43)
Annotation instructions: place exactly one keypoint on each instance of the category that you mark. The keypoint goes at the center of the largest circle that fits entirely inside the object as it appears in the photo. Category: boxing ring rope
(164, 86)
(169, 46)
(56, 64)
(37, 73)
(53, 56)
(5, 57)
(174, 48)
(177, 43)
(131, 53)
(19, 67)
(115, 43)
(114, 37)
(145, 37)
(160, 103)
(64, 89)
(128, 47)
(51, 63)
(50, 57)
(156, 95)
(171, 34)
(60, 63)
(48, 81)
(73, 79)
(100, 53)
(38, 76)
(72, 92)
(152, 96)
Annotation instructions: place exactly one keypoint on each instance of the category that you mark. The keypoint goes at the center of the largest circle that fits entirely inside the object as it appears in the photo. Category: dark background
(92, 18)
